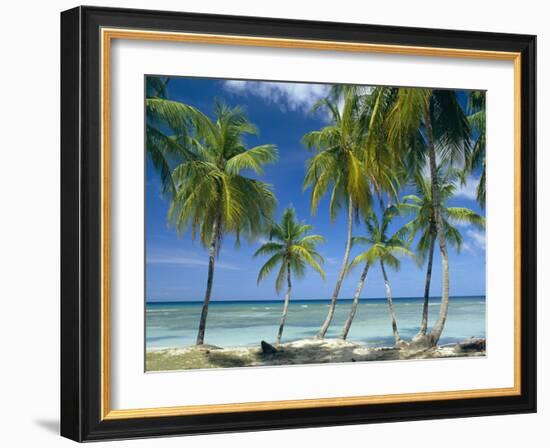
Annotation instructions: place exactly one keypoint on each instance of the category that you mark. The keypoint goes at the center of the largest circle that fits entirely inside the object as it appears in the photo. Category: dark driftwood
(268, 349)
(471, 345)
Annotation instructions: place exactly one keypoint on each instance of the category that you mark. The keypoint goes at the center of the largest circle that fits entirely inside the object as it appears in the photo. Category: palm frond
(269, 248)
(450, 126)
(281, 276)
(301, 253)
(453, 236)
(311, 239)
(252, 159)
(156, 87)
(269, 265)
(465, 216)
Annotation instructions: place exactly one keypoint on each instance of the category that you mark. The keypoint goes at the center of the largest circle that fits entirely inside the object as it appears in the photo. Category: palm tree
(423, 224)
(384, 164)
(477, 120)
(212, 196)
(383, 249)
(338, 165)
(291, 250)
(436, 118)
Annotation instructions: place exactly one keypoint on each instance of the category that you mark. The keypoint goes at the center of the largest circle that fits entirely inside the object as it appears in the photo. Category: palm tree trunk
(396, 335)
(211, 261)
(424, 323)
(437, 329)
(353, 310)
(285, 306)
(324, 328)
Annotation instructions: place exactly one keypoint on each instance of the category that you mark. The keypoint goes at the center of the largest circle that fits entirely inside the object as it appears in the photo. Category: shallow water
(246, 323)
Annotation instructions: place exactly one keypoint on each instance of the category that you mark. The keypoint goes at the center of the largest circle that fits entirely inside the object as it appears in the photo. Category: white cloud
(468, 190)
(188, 260)
(331, 260)
(467, 247)
(287, 95)
(474, 241)
(462, 224)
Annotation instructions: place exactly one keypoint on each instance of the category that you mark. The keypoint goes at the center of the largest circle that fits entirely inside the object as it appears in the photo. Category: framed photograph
(276, 224)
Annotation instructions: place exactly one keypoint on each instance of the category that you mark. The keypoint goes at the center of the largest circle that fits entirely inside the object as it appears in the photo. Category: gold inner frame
(107, 35)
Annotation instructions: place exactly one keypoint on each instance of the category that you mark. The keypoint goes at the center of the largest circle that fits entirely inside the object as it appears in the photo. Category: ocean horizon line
(233, 301)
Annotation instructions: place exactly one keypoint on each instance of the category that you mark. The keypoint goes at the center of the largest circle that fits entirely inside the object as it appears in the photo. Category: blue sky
(176, 267)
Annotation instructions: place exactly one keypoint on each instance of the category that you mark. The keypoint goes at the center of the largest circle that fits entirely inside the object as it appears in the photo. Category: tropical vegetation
(437, 124)
(385, 152)
(338, 166)
(423, 225)
(382, 248)
(211, 195)
(291, 250)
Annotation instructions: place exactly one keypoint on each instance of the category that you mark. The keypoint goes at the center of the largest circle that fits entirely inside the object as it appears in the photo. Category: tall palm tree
(476, 160)
(291, 250)
(338, 165)
(384, 165)
(423, 224)
(212, 196)
(383, 249)
(438, 119)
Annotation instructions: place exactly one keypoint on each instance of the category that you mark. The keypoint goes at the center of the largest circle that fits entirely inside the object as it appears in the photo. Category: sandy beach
(305, 351)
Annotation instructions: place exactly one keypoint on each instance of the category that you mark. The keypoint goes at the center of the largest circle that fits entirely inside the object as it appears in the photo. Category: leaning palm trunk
(396, 335)
(285, 306)
(353, 310)
(435, 334)
(324, 328)
(424, 323)
(211, 261)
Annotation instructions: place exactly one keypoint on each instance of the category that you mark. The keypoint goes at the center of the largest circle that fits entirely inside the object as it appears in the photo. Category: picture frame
(86, 37)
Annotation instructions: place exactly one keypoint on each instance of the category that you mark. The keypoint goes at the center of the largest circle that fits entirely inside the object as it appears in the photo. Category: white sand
(305, 351)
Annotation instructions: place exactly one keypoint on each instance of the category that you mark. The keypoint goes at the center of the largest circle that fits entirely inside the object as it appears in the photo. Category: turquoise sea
(246, 323)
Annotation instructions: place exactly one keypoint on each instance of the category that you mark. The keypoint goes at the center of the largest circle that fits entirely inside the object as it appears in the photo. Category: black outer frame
(80, 224)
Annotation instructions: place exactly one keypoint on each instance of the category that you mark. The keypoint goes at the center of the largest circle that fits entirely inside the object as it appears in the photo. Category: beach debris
(268, 349)
(471, 345)
(304, 351)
